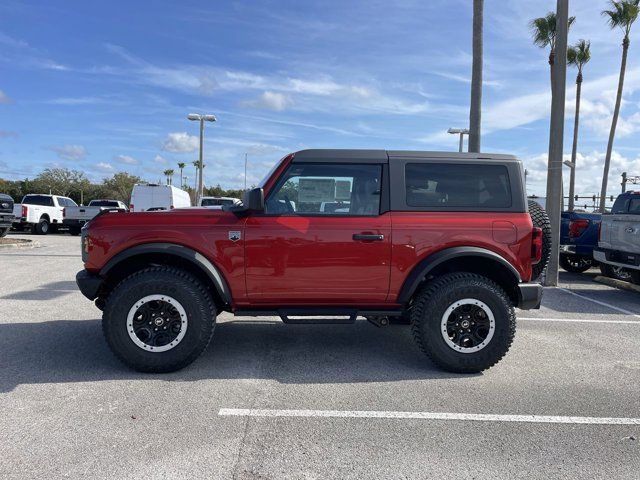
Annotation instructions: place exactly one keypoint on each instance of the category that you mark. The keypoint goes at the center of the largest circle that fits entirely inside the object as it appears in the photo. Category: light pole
(556, 139)
(201, 118)
(459, 131)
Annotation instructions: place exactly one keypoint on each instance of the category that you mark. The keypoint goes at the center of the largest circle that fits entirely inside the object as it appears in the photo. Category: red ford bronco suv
(442, 240)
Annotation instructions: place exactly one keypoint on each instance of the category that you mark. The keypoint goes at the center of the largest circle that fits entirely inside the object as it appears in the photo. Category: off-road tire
(540, 219)
(437, 296)
(617, 273)
(575, 263)
(42, 227)
(180, 285)
(4, 231)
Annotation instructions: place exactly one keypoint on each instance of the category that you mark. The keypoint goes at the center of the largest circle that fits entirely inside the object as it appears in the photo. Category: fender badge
(234, 235)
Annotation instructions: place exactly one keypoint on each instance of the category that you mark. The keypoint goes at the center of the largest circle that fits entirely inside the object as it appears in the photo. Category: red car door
(321, 239)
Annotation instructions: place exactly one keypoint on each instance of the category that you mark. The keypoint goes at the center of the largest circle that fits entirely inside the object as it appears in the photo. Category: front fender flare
(186, 253)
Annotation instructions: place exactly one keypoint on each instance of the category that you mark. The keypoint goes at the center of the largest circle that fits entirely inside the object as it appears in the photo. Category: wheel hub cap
(467, 325)
(157, 323)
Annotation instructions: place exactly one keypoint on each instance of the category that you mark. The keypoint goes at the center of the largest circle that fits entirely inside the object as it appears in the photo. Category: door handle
(367, 237)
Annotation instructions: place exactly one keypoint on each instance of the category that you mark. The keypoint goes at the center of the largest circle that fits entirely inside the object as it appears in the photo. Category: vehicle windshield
(262, 182)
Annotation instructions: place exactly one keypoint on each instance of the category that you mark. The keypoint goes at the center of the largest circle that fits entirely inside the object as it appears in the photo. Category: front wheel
(575, 263)
(463, 322)
(159, 319)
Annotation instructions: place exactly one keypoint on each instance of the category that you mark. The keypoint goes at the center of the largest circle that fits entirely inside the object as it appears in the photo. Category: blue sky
(106, 86)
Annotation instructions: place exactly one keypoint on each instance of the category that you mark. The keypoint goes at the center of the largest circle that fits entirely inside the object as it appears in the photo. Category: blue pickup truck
(578, 238)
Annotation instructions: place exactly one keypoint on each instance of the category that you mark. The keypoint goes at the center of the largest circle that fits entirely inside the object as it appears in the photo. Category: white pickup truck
(40, 212)
(75, 217)
(619, 241)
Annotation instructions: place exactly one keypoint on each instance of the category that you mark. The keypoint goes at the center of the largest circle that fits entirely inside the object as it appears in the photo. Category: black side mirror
(254, 200)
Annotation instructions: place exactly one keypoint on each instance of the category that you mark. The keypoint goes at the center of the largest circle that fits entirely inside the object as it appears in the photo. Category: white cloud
(126, 159)
(104, 167)
(70, 152)
(271, 101)
(180, 142)
(4, 98)
(161, 160)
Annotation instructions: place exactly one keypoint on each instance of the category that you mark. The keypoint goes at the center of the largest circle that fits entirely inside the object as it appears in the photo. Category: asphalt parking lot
(270, 401)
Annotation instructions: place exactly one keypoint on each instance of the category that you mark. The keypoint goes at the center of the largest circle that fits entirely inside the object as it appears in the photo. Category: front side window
(448, 185)
(327, 189)
(634, 206)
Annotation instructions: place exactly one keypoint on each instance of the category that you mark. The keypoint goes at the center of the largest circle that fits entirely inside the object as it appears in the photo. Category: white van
(151, 197)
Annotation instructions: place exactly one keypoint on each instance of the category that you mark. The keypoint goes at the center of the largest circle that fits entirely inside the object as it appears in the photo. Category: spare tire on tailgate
(540, 219)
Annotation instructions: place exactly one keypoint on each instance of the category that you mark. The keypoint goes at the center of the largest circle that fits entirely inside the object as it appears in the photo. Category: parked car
(6, 214)
(40, 213)
(152, 197)
(618, 248)
(578, 238)
(444, 238)
(218, 201)
(75, 217)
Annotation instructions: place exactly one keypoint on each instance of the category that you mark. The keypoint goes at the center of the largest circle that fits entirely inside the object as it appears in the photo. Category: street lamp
(459, 131)
(196, 117)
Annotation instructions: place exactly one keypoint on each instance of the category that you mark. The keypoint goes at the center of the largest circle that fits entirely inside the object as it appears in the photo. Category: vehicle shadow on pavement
(44, 292)
(75, 351)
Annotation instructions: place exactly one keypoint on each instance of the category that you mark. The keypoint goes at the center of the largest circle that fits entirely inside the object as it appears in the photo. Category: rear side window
(103, 203)
(42, 200)
(450, 185)
(634, 206)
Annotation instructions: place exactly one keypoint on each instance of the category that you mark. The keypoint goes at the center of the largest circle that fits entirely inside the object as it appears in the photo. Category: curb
(612, 282)
(26, 244)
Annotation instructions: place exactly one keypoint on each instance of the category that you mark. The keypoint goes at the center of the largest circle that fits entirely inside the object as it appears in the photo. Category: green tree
(622, 14)
(61, 181)
(543, 30)
(119, 186)
(169, 174)
(578, 56)
(181, 166)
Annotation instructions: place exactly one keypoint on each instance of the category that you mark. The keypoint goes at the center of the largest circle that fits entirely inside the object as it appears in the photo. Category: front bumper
(89, 284)
(529, 296)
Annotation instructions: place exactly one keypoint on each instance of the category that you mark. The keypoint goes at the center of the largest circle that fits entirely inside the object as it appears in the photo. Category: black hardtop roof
(383, 156)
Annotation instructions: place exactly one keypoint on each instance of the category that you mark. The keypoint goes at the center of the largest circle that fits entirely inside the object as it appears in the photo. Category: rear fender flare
(424, 267)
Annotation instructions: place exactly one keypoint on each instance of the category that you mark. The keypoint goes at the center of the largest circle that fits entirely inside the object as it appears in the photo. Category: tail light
(536, 245)
(24, 211)
(577, 227)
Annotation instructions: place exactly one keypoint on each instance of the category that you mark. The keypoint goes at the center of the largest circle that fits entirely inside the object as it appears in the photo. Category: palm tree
(181, 166)
(169, 174)
(475, 111)
(578, 55)
(622, 14)
(544, 35)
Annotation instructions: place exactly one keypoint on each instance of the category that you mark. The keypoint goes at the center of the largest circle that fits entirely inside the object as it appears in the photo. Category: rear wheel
(540, 219)
(42, 227)
(159, 319)
(619, 273)
(463, 322)
(575, 263)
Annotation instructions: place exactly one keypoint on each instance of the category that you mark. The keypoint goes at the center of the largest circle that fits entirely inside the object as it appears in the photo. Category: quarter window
(447, 185)
(327, 189)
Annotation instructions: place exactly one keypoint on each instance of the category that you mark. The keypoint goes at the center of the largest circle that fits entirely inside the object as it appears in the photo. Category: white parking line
(578, 320)
(604, 304)
(473, 417)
